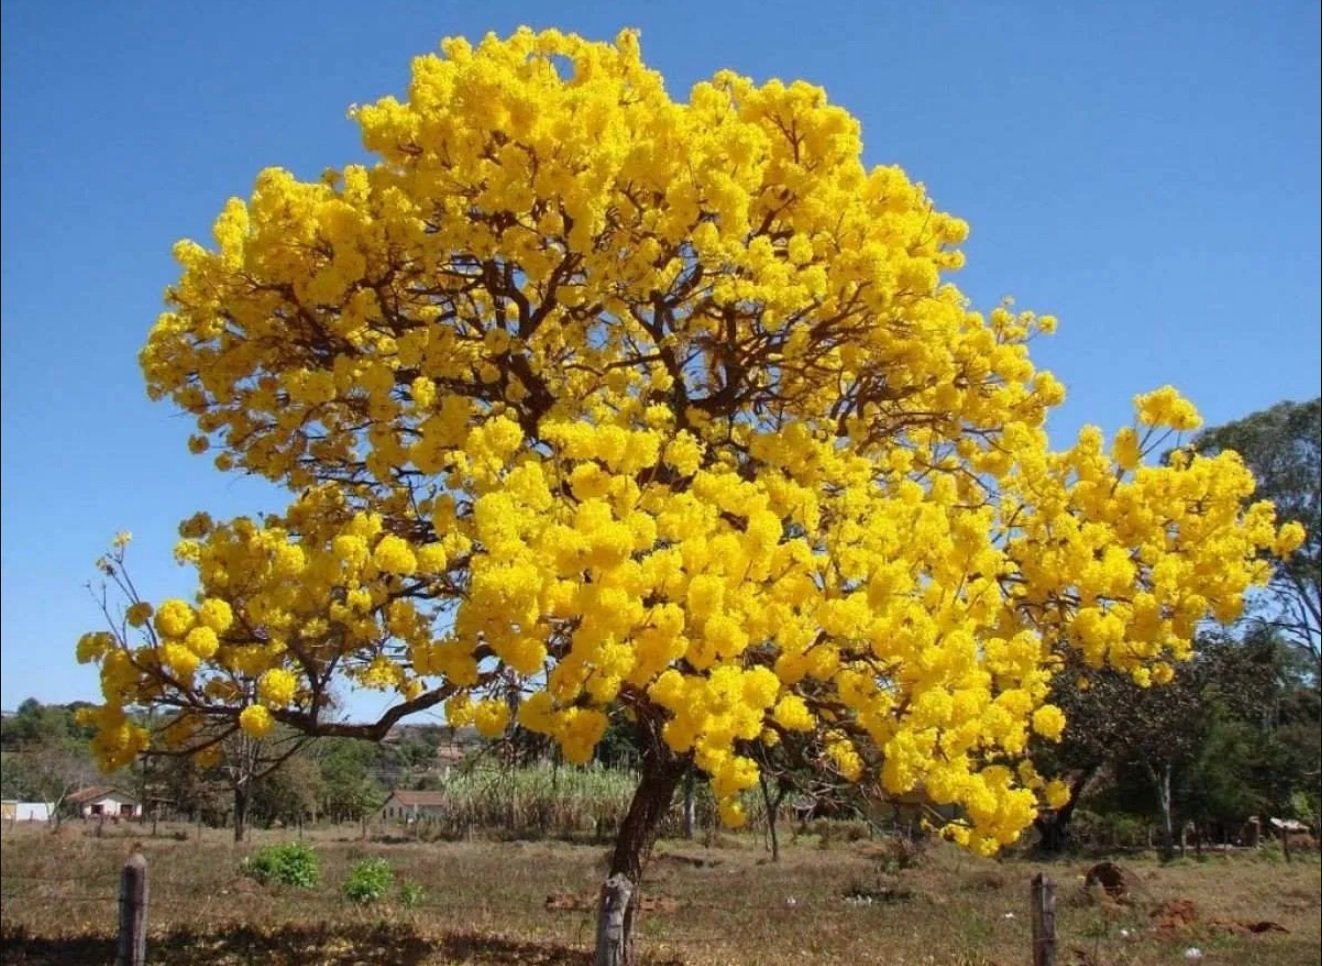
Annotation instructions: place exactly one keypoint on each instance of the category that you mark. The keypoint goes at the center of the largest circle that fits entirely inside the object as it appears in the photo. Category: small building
(102, 801)
(450, 755)
(404, 805)
(15, 811)
(1281, 825)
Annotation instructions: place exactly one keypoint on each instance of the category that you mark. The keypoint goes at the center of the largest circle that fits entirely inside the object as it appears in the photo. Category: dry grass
(487, 902)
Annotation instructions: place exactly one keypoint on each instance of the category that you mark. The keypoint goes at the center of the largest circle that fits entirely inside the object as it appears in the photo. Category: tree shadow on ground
(292, 944)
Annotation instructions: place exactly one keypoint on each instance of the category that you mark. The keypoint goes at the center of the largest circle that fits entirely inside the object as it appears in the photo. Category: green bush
(1107, 830)
(411, 894)
(831, 830)
(291, 864)
(368, 881)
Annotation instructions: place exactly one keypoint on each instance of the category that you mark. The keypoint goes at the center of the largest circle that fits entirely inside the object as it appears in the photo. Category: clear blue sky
(1149, 172)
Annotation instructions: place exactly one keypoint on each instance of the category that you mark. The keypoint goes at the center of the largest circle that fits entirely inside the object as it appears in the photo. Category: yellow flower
(1049, 721)
(216, 614)
(1290, 538)
(179, 659)
(256, 720)
(202, 641)
(394, 556)
(276, 687)
(1126, 449)
(138, 614)
(1057, 793)
(731, 812)
(174, 618)
(491, 717)
(91, 647)
(792, 714)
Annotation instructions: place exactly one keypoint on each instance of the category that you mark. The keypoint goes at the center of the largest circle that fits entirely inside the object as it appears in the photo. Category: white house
(108, 802)
(14, 811)
(409, 806)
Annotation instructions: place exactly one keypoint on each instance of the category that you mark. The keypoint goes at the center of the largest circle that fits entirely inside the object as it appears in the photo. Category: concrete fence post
(132, 949)
(1043, 920)
(611, 938)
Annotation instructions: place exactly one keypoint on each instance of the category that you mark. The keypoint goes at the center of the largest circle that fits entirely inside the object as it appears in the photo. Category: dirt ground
(532, 902)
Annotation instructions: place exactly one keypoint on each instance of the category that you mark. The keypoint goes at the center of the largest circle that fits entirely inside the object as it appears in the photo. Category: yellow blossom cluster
(596, 403)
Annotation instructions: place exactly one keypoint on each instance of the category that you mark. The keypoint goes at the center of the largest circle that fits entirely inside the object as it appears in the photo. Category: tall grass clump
(542, 800)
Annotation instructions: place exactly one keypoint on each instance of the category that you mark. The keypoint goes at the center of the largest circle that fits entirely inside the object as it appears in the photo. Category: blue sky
(1149, 172)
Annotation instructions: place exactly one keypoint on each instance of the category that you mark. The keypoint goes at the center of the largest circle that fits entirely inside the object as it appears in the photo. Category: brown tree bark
(662, 772)
(687, 810)
(772, 807)
(1163, 788)
(240, 811)
(1052, 824)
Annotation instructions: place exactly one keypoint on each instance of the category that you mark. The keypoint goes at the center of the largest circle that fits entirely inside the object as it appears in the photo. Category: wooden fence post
(614, 901)
(132, 949)
(1043, 920)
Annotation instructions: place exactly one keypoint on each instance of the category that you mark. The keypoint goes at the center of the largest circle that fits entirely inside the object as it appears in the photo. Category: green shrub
(411, 894)
(895, 853)
(291, 864)
(1108, 830)
(368, 881)
(831, 830)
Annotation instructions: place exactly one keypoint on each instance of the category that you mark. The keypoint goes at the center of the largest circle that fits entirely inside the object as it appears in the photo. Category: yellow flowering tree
(597, 404)
(227, 747)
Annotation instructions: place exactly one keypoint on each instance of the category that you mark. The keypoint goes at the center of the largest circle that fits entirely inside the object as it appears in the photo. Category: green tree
(1281, 446)
(349, 789)
(34, 721)
(46, 754)
(223, 755)
(1226, 739)
(291, 793)
(47, 770)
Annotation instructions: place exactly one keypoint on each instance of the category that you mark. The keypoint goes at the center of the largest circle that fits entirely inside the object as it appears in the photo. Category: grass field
(531, 902)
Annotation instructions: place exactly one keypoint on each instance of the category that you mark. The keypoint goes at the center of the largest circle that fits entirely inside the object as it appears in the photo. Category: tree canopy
(593, 403)
(1281, 446)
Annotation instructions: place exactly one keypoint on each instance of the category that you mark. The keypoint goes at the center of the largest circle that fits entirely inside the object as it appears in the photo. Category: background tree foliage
(44, 753)
(1238, 733)
(1281, 445)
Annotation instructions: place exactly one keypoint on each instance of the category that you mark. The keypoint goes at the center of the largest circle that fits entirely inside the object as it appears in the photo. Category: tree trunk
(772, 805)
(770, 811)
(240, 812)
(687, 807)
(657, 785)
(1163, 786)
(1052, 824)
